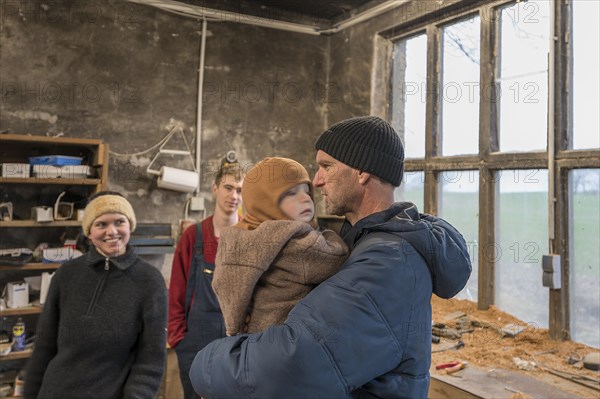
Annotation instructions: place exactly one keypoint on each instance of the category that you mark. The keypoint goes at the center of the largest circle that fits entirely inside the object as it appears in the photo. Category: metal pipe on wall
(222, 15)
(200, 103)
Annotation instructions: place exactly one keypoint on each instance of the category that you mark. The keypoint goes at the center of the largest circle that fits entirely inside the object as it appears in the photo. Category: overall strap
(191, 284)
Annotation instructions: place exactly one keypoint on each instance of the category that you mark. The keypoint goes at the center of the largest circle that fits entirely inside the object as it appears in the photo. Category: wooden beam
(432, 118)
(558, 305)
(488, 143)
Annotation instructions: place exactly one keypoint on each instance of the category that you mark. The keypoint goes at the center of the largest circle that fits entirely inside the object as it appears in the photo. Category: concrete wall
(128, 74)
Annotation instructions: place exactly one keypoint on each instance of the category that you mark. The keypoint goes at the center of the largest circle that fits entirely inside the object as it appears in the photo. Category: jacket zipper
(99, 288)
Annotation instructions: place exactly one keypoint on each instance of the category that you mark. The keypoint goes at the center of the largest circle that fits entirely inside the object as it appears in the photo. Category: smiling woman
(120, 356)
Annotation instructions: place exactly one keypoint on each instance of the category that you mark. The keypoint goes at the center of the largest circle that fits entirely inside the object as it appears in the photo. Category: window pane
(524, 76)
(584, 265)
(586, 64)
(408, 93)
(459, 205)
(521, 240)
(459, 89)
(412, 189)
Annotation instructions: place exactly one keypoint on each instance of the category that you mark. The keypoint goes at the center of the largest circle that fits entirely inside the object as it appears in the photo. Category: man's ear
(363, 177)
(214, 188)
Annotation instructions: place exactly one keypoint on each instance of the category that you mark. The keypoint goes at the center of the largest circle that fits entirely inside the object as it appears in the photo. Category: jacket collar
(352, 234)
(122, 262)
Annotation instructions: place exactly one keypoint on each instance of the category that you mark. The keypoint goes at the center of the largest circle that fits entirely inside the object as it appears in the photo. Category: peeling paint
(39, 115)
(152, 102)
(210, 133)
(222, 68)
(157, 198)
(174, 123)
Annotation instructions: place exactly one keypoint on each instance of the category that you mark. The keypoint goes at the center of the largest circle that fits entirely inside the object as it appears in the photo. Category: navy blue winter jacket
(363, 333)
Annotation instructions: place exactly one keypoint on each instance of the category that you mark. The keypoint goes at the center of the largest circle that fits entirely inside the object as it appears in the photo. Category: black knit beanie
(367, 143)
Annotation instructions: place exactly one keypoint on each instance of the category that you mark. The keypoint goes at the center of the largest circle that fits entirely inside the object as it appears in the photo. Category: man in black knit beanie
(366, 331)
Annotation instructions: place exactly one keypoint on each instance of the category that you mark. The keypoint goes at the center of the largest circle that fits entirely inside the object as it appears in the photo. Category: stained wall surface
(128, 74)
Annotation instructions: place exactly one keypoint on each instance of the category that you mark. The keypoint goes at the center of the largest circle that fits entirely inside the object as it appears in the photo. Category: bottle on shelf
(19, 336)
(19, 388)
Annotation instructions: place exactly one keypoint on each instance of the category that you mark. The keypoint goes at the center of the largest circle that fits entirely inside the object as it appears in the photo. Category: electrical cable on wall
(161, 142)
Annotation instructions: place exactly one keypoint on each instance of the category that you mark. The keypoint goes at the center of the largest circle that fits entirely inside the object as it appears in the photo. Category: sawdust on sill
(485, 348)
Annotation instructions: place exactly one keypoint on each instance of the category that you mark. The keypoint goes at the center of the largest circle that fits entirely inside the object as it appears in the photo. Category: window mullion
(488, 142)
(432, 129)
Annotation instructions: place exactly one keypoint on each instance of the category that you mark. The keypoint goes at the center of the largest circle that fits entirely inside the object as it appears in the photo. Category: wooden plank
(488, 144)
(558, 324)
(497, 383)
(432, 118)
(563, 78)
(33, 223)
(578, 154)
(32, 266)
(38, 180)
(488, 93)
(558, 306)
(17, 355)
(102, 161)
(574, 163)
(516, 157)
(63, 141)
(486, 248)
(441, 390)
(454, 163)
(22, 311)
(414, 165)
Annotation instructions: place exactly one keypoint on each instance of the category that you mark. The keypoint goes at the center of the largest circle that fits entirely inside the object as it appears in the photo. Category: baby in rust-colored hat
(275, 255)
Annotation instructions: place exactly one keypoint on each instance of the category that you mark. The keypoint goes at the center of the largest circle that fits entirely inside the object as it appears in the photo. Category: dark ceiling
(314, 12)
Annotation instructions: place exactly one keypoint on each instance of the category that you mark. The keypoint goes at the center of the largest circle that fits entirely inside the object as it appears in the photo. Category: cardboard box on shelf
(17, 294)
(15, 170)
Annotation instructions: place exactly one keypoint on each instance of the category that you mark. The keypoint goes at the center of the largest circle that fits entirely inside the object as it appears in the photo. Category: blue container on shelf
(55, 160)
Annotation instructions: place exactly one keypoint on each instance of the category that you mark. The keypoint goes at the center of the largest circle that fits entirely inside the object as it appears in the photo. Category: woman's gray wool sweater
(102, 333)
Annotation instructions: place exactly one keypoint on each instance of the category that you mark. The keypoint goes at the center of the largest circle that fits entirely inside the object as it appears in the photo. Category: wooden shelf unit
(27, 192)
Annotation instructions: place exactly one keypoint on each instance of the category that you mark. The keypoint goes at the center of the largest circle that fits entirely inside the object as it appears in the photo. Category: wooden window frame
(559, 159)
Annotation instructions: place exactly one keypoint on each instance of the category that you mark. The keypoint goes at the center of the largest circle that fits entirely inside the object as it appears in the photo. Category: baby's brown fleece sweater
(266, 271)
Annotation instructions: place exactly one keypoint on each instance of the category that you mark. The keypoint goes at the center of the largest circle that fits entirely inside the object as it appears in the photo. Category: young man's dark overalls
(204, 319)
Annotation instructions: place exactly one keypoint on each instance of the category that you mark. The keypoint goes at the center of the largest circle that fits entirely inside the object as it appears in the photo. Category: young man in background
(195, 318)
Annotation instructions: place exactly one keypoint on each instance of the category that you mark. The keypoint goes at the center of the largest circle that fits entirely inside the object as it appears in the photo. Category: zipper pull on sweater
(106, 264)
